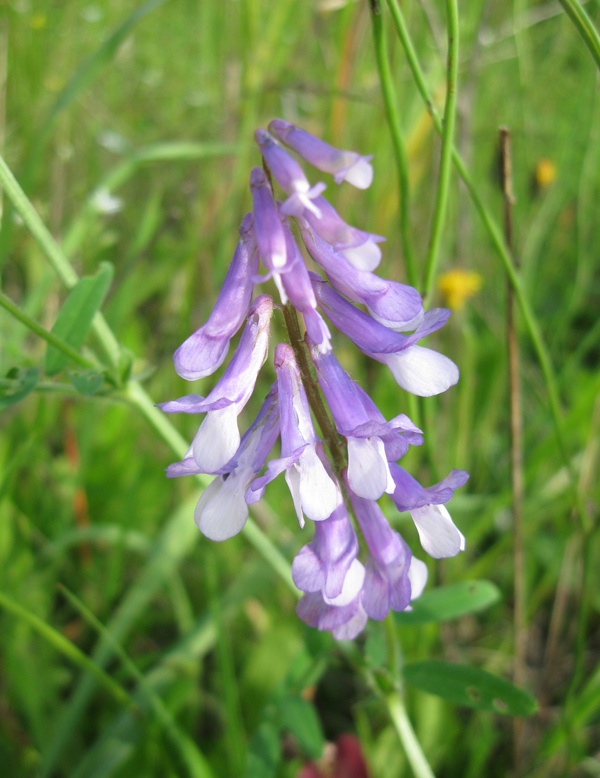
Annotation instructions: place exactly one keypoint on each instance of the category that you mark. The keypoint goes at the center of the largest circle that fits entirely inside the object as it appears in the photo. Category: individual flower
(298, 288)
(222, 511)
(268, 229)
(358, 247)
(419, 370)
(438, 534)
(205, 351)
(289, 175)
(457, 286)
(342, 165)
(313, 491)
(387, 585)
(372, 441)
(218, 438)
(393, 305)
(323, 563)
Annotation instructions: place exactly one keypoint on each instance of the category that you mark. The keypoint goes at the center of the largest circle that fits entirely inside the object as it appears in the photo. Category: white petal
(318, 492)
(437, 532)
(217, 440)
(364, 257)
(368, 470)
(360, 174)
(399, 326)
(353, 583)
(422, 371)
(221, 511)
(417, 575)
(292, 478)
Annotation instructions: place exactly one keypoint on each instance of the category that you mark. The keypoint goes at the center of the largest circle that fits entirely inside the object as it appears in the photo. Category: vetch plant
(343, 476)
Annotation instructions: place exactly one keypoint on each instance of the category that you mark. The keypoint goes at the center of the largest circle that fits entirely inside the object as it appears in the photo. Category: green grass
(193, 645)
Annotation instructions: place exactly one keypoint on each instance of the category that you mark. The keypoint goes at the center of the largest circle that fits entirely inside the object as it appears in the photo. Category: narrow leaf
(451, 602)
(264, 752)
(76, 316)
(24, 383)
(298, 717)
(470, 686)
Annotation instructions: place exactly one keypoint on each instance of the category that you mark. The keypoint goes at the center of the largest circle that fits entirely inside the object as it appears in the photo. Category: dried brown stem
(516, 438)
(310, 385)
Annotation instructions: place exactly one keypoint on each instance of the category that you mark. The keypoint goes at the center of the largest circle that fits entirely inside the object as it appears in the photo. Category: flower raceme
(343, 586)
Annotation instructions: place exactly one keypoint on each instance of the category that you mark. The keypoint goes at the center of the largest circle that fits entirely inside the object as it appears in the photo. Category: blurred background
(130, 128)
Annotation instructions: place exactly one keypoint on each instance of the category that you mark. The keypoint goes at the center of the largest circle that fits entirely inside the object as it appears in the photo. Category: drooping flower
(438, 534)
(289, 175)
(342, 165)
(358, 247)
(393, 305)
(222, 511)
(387, 585)
(298, 288)
(419, 370)
(205, 351)
(372, 441)
(323, 563)
(218, 438)
(268, 229)
(313, 491)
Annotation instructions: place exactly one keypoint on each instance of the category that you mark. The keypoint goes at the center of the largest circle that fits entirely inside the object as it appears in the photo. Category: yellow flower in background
(457, 286)
(545, 173)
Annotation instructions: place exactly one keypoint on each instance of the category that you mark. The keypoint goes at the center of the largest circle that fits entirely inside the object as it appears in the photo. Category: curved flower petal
(438, 534)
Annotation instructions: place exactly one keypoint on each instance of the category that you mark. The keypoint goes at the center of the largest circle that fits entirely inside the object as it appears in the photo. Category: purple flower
(439, 535)
(205, 351)
(343, 165)
(313, 491)
(358, 247)
(268, 229)
(289, 175)
(393, 305)
(372, 441)
(387, 582)
(419, 370)
(324, 562)
(222, 511)
(298, 288)
(343, 615)
(218, 438)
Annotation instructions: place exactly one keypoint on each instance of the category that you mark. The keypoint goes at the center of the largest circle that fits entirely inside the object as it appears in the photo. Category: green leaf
(87, 382)
(298, 716)
(24, 383)
(470, 686)
(450, 602)
(264, 752)
(75, 317)
(376, 647)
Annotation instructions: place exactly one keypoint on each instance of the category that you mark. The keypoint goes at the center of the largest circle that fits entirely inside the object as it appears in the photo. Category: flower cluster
(340, 591)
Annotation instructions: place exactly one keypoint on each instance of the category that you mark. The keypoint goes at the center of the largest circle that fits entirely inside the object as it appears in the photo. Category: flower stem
(412, 747)
(441, 202)
(310, 385)
(49, 337)
(513, 275)
(390, 100)
(54, 254)
(584, 26)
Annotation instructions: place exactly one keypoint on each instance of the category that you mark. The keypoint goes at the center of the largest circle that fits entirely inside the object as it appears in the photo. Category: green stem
(441, 201)
(54, 254)
(584, 27)
(406, 733)
(49, 337)
(390, 100)
(495, 234)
